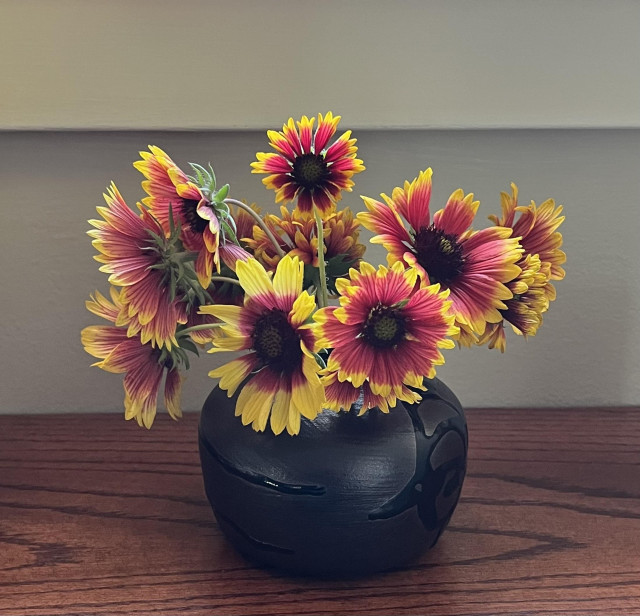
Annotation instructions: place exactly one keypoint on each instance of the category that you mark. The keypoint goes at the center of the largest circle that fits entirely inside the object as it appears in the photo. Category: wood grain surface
(100, 517)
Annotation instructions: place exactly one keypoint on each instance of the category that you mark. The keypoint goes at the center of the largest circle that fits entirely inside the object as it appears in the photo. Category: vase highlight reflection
(349, 496)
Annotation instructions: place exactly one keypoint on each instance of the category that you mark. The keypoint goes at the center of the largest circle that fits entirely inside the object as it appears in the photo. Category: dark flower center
(309, 170)
(191, 216)
(275, 342)
(439, 254)
(384, 327)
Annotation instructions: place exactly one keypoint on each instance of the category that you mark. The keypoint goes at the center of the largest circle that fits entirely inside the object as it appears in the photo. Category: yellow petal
(287, 281)
(293, 421)
(280, 411)
(302, 309)
(252, 402)
(230, 343)
(233, 373)
(308, 396)
(254, 279)
(228, 314)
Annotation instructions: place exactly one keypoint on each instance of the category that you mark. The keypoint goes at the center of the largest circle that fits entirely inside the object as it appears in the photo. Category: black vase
(348, 496)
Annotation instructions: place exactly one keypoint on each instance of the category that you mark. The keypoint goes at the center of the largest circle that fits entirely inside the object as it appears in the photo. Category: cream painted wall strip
(221, 64)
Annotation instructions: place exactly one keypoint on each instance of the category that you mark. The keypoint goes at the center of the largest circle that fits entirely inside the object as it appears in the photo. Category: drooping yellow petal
(308, 394)
(293, 420)
(234, 372)
(280, 411)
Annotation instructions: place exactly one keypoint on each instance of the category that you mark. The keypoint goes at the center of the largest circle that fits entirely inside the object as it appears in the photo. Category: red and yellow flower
(385, 337)
(297, 236)
(537, 226)
(173, 194)
(271, 325)
(475, 266)
(132, 258)
(306, 168)
(143, 364)
(540, 263)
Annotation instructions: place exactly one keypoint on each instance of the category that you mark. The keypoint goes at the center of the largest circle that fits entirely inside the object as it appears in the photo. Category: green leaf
(221, 195)
(213, 177)
(204, 179)
(159, 240)
(338, 266)
(172, 287)
(180, 270)
(189, 345)
(320, 361)
(172, 226)
(228, 232)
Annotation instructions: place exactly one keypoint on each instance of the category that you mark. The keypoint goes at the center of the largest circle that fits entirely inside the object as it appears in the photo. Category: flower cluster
(316, 327)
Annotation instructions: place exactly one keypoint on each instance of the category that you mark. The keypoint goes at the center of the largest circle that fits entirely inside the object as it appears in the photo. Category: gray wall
(587, 352)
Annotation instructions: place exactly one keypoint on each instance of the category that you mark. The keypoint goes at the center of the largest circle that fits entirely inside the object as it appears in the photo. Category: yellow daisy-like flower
(305, 167)
(271, 326)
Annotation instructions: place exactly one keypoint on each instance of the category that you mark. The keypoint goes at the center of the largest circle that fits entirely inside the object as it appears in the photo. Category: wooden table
(100, 517)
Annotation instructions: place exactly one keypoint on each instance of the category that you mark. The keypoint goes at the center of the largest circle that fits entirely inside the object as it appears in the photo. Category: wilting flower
(386, 336)
(297, 237)
(540, 263)
(524, 310)
(304, 168)
(144, 365)
(473, 265)
(135, 261)
(537, 226)
(271, 327)
(174, 199)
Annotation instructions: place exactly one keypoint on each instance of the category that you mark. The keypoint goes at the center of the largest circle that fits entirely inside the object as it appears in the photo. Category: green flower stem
(225, 279)
(260, 222)
(198, 328)
(323, 298)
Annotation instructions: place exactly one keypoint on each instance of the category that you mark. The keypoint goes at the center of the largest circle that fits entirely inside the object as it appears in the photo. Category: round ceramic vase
(348, 496)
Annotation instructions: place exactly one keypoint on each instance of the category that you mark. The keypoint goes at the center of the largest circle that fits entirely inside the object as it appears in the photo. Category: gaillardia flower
(297, 236)
(135, 261)
(144, 365)
(272, 327)
(473, 265)
(173, 194)
(537, 226)
(540, 263)
(304, 168)
(387, 334)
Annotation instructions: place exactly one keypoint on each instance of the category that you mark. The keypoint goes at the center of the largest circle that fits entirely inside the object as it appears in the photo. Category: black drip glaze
(349, 496)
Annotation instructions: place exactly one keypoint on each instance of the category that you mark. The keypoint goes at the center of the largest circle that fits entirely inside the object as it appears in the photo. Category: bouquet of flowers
(317, 327)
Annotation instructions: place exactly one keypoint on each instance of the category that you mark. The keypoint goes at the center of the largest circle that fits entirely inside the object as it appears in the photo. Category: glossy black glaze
(348, 496)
